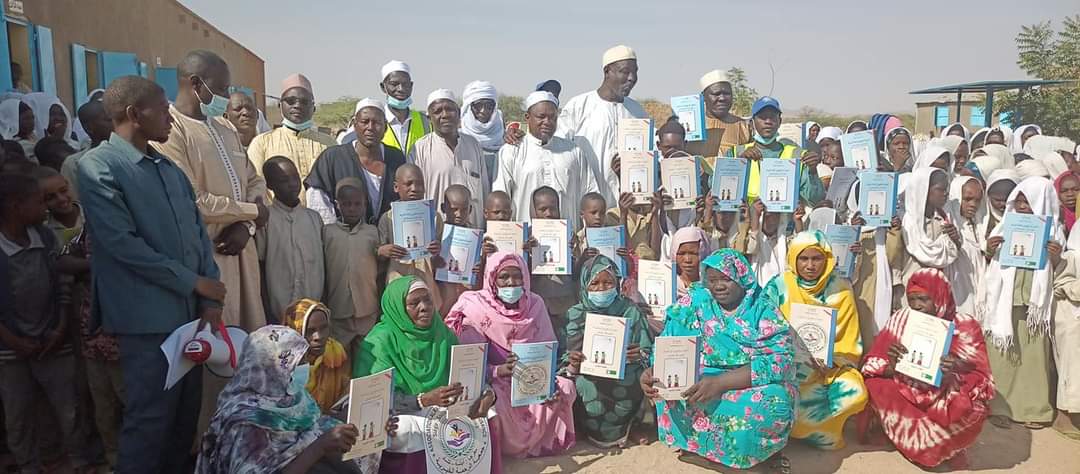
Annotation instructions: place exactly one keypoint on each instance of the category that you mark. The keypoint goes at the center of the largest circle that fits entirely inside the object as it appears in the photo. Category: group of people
(145, 215)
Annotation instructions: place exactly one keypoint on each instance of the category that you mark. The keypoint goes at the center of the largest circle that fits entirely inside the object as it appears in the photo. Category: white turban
(829, 132)
(441, 94)
(540, 96)
(490, 134)
(712, 77)
(618, 53)
(369, 102)
(394, 66)
(478, 90)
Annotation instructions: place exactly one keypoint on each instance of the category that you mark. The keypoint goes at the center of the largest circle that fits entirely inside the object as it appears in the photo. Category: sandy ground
(1013, 450)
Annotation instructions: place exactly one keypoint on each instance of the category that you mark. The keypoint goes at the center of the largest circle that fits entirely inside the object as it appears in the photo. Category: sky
(842, 57)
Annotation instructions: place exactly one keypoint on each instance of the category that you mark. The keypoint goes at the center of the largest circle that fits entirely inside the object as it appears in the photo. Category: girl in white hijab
(969, 210)
(958, 149)
(935, 156)
(957, 129)
(1016, 143)
(931, 240)
(1016, 312)
(1067, 337)
(998, 187)
(9, 118)
(1032, 168)
(43, 105)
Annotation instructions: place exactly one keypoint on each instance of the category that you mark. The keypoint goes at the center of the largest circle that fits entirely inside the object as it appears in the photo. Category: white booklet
(927, 339)
(656, 284)
(534, 374)
(677, 364)
(508, 236)
(370, 401)
(468, 363)
(816, 330)
(680, 177)
(606, 341)
(460, 252)
(552, 255)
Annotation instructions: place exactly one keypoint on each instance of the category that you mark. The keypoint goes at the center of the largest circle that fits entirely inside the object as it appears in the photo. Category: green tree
(336, 114)
(744, 94)
(512, 108)
(1052, 55)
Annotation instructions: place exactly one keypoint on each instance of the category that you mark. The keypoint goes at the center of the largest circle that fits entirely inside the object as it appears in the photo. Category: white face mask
(217, 106)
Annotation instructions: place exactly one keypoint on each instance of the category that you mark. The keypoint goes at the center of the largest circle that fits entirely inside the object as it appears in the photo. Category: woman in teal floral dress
(742, 410)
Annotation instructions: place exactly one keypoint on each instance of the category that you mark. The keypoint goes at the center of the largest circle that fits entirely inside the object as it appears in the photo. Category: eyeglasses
(296, 100)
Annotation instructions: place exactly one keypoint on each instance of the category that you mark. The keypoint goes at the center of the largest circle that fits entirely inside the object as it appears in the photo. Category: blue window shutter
(166, 78)
(941, 116)
(46, 64)
(5, 58)
(78, 74)
(144, 70)
(116, 65)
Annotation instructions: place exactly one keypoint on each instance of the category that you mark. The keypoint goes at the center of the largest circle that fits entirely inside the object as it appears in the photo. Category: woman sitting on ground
(328, 380)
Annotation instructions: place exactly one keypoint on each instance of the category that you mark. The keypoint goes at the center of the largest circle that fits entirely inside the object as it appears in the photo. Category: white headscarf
(1054, 163)
(967, 133)
(951, 143)
(42, 103)
(999, 175)
(1031, 168)
(490, 134)
(882, 271)
(1041, 144)
(929, 155)
(771, 259)
(806, 129)
(939, 252)
(829, 132)
(994, 309)
(1016, 143)
(967, 271)
(9, 118)
(983, 132)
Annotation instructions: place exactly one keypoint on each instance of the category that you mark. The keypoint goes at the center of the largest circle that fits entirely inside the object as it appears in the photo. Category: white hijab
(882, 279)
(994, 308)
(967, 133)
(930, 154)
(1032, 168)
(42, 103)
(999, 175)
(1042, 144)
(9, 118)
(490, 134)
(771, 258)
(1001, 152)
(1054, 163)
(939, 252)
(1016, 143)
(969, 268)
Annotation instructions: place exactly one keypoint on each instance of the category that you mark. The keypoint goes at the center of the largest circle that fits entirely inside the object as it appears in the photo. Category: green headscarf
(420, 357)
(589, 270)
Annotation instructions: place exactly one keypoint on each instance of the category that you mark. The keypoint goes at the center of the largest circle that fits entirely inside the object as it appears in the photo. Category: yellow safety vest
(418, 127)
(754, 186)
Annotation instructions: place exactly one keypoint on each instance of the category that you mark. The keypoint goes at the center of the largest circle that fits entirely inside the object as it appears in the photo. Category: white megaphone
(218, 350)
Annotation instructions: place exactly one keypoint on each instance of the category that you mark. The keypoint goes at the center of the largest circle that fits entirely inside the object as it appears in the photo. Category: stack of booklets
(635, 135)
(639, 174)
(508, 236)
(606, 341)
(370, 402)
(533, 380)
(877, 198)
(841, 238)
(468, 364)
(860, 150)
(779, 189)
(815, 327)
(680, 177)
(607, 241)
(927, 339)
(691, 112)
(729, 179)
(656, 284)
(1026, 236)
(677, 363)
(552, 255)
(414, 227)
(460, 252)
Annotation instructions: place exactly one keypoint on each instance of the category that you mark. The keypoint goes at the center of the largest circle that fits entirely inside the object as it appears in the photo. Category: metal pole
(989, 107)
(959, 97)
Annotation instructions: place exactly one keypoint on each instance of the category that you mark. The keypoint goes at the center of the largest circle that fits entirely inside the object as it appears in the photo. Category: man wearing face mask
(228, 191)
(723, 129)
(297, 138)
(765, 123)
(595, 116)
(449, 157)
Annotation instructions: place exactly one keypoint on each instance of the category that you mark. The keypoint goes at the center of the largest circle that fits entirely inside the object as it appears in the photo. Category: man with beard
(447, 157)
(723, 129)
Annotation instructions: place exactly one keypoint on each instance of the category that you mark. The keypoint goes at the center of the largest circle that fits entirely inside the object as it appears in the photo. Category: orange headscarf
(329, 378)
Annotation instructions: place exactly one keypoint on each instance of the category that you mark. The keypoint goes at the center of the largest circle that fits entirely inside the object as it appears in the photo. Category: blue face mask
(298, 126)
(602, 299)
(217, 105)
(511, 294)
(299, 379)
(396, 103)
(762, 140)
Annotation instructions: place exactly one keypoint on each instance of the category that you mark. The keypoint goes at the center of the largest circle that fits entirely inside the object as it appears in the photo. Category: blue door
(5, 58)
(116, 65)
(78, 74)
(46, 65)
(166, 78)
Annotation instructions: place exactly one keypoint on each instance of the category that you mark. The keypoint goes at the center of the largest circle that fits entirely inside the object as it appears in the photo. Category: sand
(1015, 450)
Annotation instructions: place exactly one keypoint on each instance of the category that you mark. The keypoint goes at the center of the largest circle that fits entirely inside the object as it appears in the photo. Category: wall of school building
(937, 114)
(71, 47)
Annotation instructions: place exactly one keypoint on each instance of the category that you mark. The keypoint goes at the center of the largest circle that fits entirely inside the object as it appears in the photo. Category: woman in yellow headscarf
(328, 377)
(827, 396)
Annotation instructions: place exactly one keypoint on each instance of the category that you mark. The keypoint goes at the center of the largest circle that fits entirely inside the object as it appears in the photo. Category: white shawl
(967, 271)
(994, 308)
(939, 252)
(490, 134)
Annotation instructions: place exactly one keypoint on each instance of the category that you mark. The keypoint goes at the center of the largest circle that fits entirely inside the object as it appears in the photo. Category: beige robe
(225, 194)
(423, 268)
(291, 251)
(443, 166)
(352, 290)
(1067, 331)
(302, 148)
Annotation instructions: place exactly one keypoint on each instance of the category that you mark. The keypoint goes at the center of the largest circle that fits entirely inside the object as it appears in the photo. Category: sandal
(779, 464)
(1032, 425)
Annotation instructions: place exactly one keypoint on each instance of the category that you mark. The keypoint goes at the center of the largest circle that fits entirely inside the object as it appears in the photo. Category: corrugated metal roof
(984, 85)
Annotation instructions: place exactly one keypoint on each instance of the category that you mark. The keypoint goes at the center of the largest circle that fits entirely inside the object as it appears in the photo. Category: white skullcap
(441, 94)
(394, 66)
(829, 132)
(478, 90)
(712, 77)
(540, 96)
(369, 102)
(618, 53)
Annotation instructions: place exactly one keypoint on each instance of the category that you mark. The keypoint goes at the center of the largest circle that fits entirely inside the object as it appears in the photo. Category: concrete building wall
(926, 114)
(159, 32)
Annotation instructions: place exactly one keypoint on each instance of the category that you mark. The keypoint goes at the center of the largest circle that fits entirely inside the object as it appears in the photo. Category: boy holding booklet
(349, 246)
(642, 223)
(456, 209)
(558, 291)
(409, 184)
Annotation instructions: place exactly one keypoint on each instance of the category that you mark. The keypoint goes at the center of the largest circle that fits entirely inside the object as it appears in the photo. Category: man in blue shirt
(153, 271)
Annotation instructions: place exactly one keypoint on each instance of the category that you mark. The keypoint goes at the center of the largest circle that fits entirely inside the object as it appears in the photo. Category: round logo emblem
(533, 380)
(814, 337)
(456, 445)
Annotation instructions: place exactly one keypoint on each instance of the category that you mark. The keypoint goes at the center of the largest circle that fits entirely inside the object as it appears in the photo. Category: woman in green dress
(606, 408)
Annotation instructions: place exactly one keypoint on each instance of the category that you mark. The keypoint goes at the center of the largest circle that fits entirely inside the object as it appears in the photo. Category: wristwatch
(251, 228)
